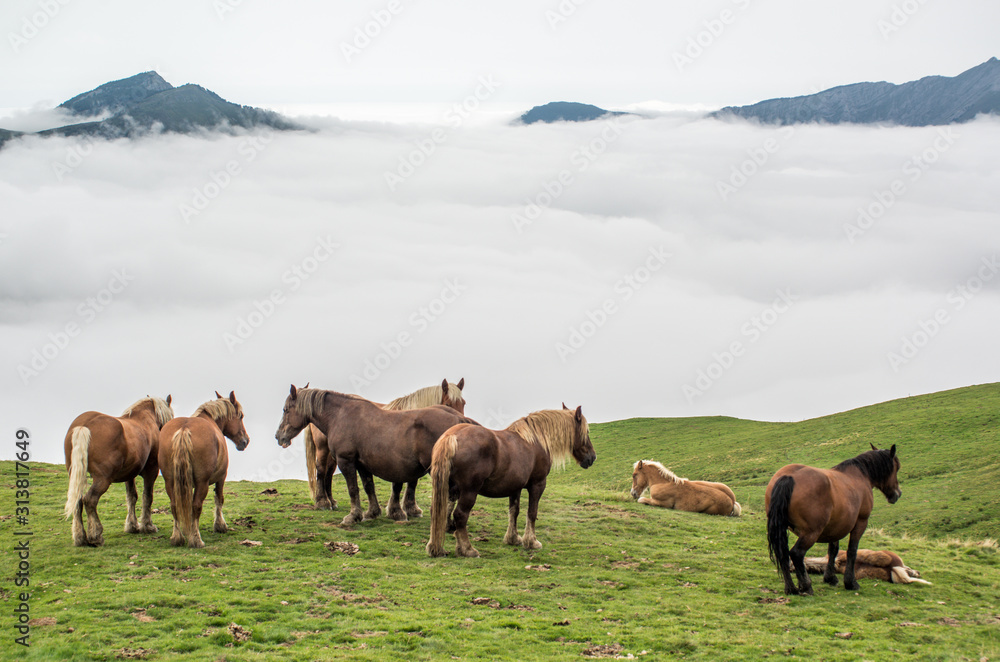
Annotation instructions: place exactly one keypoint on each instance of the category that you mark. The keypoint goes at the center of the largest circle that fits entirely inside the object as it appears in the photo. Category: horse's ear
(232, 397)
(579, 413)
(218, 395)
(638, 465)
(892, 452)
(872, 445)
(444, 386)
(564, 406)
(306, 386)
(293, 391)
(168, 399)
(461, 383)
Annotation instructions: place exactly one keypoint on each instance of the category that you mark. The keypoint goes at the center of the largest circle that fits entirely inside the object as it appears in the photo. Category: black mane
(877, 465)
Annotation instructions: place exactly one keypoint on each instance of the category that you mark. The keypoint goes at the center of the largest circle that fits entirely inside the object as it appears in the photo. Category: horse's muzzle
(895, 496)
(283, 444)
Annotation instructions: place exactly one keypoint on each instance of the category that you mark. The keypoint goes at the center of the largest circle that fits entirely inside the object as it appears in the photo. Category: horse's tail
(307, 436)
(777, 521)
(737, 509)
(441, 459)
(79, 453)
(183, 477)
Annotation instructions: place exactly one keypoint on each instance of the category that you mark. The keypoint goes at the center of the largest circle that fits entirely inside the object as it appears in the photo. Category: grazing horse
(824, 505)
(471, 460)
(667, 490)
(113, 450)
(364, 438)
(321, 464)
(193, 455)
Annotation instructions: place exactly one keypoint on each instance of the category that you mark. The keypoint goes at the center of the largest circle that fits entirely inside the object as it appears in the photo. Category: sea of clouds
(662, 266)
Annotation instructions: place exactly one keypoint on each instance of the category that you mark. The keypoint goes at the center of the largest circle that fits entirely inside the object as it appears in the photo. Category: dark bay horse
(824, 505)
(365, 439)
(113, 450)
(471, 460)
(321, 464)
(193, 456)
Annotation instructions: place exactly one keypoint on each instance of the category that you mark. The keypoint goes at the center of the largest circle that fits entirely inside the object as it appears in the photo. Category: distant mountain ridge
(566, 111)
(930, 101)
(146, 102)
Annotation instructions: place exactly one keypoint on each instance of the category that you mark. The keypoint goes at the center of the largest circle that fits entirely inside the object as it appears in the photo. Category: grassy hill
(613, 579)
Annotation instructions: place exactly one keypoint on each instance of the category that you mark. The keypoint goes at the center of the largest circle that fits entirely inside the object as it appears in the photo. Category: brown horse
(113, 450)
(471, 460)
(667, 490)
(193, 455)
(824, 505)
(364, 438)
(321, 464)
(869, 564)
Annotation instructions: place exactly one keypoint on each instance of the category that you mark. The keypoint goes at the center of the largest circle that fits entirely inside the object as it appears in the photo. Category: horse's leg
(131, 496)
(850, 583)
(350, 473)
(327, 483)
(798, 554)
(395, 510)
(220, 521)
(374, 509)
(513, 510)
(148, 482)
(410, 500)
(464, 505)
(95, 530)
(534, 496)
(176, 534)
(79, 535)
(194, 535)
(830, 573)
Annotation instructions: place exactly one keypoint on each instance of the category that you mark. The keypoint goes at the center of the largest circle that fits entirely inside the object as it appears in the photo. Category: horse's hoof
(414, 512)
(349, 520)
(149, 528)
(470, 553)
(221, 529)
(435, 552)
(535, 545)
(177, 542)
(95, 542)
(852, 587)
(832, 581)
(197, 544)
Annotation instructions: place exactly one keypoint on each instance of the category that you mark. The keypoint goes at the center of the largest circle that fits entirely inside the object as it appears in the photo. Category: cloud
(619, 266)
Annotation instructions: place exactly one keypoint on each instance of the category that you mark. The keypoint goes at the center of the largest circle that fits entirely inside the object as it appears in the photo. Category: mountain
(930, 101)
(565, 111)
(146, 102)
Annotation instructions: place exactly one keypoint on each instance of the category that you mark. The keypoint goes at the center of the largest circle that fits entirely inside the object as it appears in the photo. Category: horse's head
(453, 398)
(890, 485)
(583, 450)
(292, 420)
(639, 480)
(232, 426)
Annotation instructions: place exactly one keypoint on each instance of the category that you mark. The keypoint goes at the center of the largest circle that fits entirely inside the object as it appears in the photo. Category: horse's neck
(207, 417)
(146, 416)
(655, 476)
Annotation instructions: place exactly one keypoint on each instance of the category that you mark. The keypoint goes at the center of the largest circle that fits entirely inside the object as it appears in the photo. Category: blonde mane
(161, 409)
(424, 397)
(219, 410)
(669, 475)
(309, 401)
(552, 429)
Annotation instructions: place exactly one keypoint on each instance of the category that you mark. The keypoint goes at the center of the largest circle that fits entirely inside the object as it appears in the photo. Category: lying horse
(193, 456)
(869, 564)
(470, 460)
(392, 445)
(667, 490)
(113, 450)
(321, 464)
(824, 505)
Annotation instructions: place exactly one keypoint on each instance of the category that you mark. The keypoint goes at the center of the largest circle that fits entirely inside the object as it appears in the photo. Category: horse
(824, 505)
(193, 455)
(365, 439)
(113, 450)
(869, 564)
(667, 490)
(320, 464)
(471, 460)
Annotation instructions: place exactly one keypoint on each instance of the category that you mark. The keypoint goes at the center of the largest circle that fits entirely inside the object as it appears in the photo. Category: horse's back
(108, 449)
(208, 447)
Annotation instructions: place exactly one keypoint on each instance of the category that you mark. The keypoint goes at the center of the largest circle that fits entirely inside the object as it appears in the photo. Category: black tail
(777, 521)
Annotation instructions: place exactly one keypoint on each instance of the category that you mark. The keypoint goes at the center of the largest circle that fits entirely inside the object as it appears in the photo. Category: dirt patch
(624, 565)
(45, 620)
(270, 492)
(240, 633)
(251, 543)
(947, 620)
(369, 633)
(141, 616)
(348, 548)
(603, 650)
(495, 604)
(781, 600)
(245, 522)
(296, 541)
(545, 567)
(133, 653)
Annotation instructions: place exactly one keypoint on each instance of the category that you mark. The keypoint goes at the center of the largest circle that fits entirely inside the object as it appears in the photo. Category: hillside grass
(614, 578)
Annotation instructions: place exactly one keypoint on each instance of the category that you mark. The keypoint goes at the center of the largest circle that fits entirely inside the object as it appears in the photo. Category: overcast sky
(672, 266)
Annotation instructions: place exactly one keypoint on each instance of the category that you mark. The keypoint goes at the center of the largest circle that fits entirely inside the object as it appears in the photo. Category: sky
(671, 265)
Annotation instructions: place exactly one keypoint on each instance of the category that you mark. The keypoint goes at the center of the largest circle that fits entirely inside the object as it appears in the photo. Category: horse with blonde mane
(113, 450)
(193, 455)
(668, 490)
(366, 439)
(321, 463)
(471, 460)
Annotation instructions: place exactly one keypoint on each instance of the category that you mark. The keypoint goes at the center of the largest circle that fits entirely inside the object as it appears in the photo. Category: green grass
(633, 579)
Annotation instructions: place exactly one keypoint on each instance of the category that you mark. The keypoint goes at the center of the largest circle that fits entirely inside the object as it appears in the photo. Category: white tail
(307, 436)
(902, 576)
(737, 510)
(80, 448)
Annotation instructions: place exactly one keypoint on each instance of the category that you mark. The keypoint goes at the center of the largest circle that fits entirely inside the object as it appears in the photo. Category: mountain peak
(117, 95)
(565, 111)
